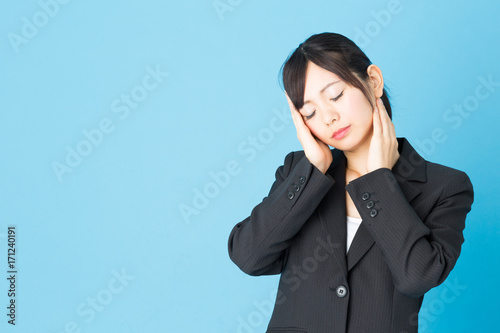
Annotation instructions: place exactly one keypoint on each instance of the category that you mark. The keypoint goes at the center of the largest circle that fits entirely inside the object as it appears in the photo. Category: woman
(360, 232)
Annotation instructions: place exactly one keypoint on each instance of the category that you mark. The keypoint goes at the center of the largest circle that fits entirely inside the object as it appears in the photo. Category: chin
(345, 144)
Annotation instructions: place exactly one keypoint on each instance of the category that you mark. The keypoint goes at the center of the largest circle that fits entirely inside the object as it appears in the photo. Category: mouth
(340, 133)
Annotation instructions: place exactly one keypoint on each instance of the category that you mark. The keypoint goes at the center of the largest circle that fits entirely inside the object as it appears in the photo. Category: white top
(352, 226)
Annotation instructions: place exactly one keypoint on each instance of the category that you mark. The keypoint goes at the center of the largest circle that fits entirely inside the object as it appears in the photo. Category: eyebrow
(324, 88)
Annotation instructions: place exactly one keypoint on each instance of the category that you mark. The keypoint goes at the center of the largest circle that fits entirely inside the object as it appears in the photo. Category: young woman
(361, 232)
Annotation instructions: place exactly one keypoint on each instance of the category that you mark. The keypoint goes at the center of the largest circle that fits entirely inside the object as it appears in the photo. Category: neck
(358, 158)
(356, 162)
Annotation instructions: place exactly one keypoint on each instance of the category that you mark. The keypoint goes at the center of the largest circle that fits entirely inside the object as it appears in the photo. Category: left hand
(383, 151)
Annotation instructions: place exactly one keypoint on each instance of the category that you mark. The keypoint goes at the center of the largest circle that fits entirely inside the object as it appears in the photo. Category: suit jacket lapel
(361, 243)
(332, 211)
(410, 167)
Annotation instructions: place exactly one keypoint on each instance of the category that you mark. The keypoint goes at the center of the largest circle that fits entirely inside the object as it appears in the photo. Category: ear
(376, 80)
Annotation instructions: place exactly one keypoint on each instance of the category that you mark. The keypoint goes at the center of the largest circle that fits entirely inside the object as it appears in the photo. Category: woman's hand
(316, 151)
(383, 151)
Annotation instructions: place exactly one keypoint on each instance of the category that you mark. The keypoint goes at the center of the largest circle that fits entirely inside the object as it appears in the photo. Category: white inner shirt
(352, 226)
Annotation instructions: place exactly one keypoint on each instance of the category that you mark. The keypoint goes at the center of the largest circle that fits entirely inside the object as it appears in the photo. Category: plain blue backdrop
(136, 134)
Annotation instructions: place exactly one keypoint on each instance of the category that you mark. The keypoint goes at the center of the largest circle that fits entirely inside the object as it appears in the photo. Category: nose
(330, 115)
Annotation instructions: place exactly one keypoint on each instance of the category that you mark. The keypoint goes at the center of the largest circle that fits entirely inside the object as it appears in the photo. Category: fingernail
(376, 109)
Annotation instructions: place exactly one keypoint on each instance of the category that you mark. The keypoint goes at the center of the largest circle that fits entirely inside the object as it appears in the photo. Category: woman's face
(336, 113)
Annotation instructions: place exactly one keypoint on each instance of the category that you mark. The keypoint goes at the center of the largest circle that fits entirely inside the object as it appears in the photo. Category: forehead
(316, 80)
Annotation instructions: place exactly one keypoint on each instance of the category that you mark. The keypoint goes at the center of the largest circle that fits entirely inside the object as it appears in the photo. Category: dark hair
(335, 53)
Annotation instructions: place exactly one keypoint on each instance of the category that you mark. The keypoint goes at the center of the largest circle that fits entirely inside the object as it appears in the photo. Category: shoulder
(449, 190)
(294, 157)
(290, 161)
(415, 167)
(449, 179)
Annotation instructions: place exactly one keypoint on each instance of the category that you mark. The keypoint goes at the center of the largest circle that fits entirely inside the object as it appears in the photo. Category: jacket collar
(410, 165)
(409, 168)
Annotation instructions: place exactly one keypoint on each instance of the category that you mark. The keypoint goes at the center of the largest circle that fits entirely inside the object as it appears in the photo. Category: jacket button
(290, 195)
(302, 179)
(370, 204)
(296, 187)
(341, 291)
(365, 196)
(373, 212)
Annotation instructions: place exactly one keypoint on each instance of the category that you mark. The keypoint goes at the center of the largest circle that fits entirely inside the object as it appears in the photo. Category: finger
(384, 117)
(377, 126)
(387, 124)
(292, 108)
(296, 116)
(321, 143)
(304, 134)
(300, 125)
(298, 121)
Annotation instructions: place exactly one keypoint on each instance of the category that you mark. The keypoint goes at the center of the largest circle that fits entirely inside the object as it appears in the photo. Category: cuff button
(302, 179)
(373, 212)
(365, 196)
(290, 195)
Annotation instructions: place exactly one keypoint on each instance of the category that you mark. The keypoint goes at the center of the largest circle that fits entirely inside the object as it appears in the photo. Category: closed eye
(332, 99)
(336, 98)
(311, 115)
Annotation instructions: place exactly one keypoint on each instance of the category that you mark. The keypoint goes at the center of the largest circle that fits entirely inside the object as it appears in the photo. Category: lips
(340, 133)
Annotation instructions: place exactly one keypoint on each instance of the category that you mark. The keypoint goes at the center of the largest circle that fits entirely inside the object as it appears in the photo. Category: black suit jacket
(409, 241)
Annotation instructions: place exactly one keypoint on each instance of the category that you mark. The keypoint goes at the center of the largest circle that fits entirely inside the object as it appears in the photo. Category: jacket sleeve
(258, 244)
(420, 254)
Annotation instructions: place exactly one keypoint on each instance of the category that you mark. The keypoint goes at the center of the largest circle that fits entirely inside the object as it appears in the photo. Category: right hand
(316, 151)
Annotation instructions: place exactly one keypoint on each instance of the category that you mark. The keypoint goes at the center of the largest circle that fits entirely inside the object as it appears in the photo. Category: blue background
(118, 210)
